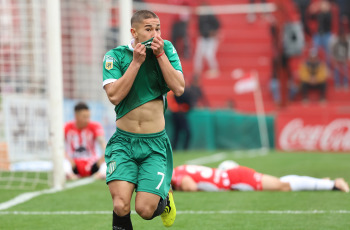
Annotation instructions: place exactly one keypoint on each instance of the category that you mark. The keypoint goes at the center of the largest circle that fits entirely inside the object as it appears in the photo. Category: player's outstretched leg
(306, 183)
(169, 213)
(341, 184)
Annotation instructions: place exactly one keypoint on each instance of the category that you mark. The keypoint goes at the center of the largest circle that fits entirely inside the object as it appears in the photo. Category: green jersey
(149, 83)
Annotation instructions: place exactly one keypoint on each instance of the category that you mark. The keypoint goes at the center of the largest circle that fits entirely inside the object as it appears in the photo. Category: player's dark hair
(80, 106)
(141, 15)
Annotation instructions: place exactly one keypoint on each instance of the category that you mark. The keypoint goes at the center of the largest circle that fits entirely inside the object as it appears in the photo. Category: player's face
(82, 118)
(146, 30)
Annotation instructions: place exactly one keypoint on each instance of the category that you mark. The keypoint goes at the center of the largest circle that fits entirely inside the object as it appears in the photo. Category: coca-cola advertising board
(313, 132)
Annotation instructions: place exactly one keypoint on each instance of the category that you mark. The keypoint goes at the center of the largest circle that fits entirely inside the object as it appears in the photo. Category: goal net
(24, 108)
(87, 32)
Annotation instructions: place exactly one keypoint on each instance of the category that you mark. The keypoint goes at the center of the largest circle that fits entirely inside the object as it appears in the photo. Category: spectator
(81, 134)
(207, 43)
(197, 97)
(344, 10)
(179, 34)
(179, 106)
(287, 42)
(344, 24)
(322, 10)
(275, 86)
(303, 6)
(313, 74)
(280, 63)
(340, 54)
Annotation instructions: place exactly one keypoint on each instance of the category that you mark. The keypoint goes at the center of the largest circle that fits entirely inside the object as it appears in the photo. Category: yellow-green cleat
(169, 213)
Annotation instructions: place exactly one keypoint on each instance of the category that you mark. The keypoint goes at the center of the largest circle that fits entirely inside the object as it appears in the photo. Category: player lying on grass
(235, 177)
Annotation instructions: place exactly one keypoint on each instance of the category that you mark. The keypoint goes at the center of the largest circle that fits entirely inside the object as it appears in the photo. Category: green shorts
(145, 160)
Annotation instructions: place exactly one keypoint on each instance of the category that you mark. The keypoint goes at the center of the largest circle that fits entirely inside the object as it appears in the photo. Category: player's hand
(157, 45)
(139, 55)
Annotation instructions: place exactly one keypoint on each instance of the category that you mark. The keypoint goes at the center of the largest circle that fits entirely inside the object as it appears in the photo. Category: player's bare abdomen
(147, 118)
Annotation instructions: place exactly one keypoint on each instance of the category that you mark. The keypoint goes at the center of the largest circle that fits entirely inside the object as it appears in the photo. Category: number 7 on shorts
(161, 181)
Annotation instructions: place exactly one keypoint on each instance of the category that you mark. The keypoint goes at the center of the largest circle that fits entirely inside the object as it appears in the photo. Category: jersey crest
(109, 64)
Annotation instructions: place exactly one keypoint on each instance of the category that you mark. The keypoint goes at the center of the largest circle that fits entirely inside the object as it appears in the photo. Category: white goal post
(54, 46)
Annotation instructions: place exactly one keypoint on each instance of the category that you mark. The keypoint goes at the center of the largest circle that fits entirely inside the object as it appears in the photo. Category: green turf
(95, 197)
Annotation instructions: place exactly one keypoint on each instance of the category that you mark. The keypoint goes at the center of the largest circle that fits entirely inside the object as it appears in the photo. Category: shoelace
(167, 207)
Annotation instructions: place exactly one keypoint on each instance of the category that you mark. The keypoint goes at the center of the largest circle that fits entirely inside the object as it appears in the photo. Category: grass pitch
(90, 206)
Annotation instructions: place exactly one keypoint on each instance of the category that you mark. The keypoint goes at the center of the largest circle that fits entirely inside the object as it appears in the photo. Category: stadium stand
(246, 46)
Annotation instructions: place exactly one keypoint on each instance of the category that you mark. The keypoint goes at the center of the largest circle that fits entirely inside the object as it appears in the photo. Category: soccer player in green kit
(136, 78)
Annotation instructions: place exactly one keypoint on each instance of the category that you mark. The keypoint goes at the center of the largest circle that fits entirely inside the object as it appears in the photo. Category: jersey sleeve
(111, 68)
(172, 55)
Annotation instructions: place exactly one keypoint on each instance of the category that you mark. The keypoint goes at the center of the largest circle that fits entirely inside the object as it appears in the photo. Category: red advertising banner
(313, 131)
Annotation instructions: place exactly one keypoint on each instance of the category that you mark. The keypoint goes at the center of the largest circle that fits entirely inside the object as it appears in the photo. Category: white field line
(209, 159)
(30, 195)
(186, 212)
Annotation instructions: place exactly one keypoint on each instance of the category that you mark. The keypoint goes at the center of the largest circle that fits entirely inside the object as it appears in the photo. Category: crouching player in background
(81, 136)
(231, 176)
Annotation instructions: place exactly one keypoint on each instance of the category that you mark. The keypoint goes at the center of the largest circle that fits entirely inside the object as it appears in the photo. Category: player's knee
(145, 211)
(121, 207)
